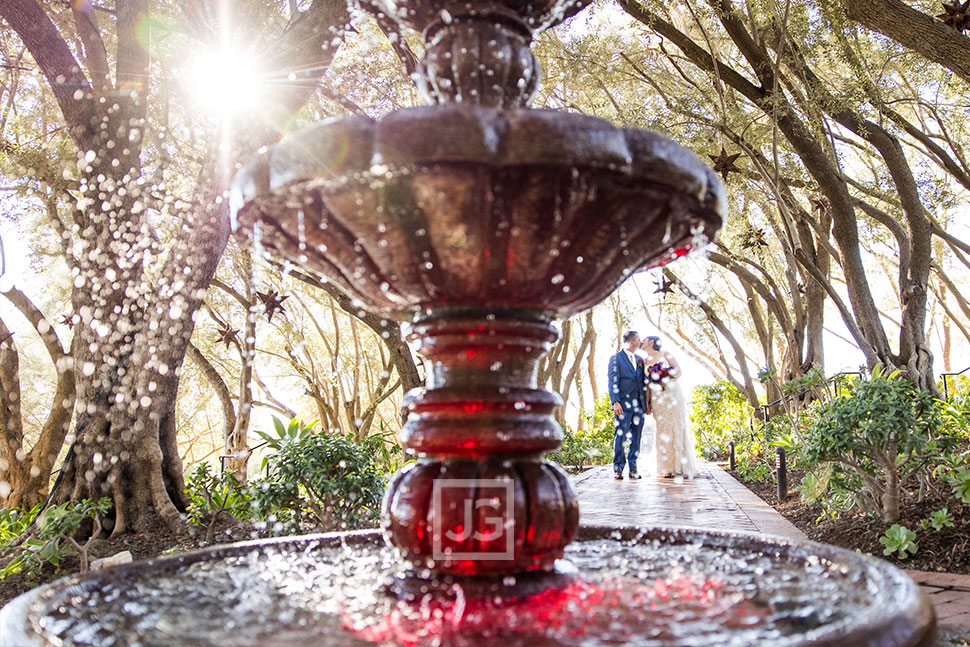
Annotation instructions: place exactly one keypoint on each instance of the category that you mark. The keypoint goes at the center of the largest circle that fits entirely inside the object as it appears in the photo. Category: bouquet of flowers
(658, 374)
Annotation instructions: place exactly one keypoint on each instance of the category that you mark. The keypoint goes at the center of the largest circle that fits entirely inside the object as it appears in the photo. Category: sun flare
(226, 82)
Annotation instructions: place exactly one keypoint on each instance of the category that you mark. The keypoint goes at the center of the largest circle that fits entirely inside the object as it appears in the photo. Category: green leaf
(899, 539)
(941, 519)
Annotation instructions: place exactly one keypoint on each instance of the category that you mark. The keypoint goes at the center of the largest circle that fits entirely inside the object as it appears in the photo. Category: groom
(626, 386)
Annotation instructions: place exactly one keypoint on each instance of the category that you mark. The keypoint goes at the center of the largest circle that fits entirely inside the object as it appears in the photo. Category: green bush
(282, 435)
(814, 378)
(384, 445)
(212, 495)
(881, 432)
(961, 484)
(592, 445)
(958, 389)
(601, 423)
(326, 480)
(719, 413)
(581, 449)
(14, 522)
(938, 520)
(753, 469)
(51, 537)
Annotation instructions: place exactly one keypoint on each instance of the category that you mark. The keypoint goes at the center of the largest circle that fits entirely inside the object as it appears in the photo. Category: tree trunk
(237, 443)
(218, 385)
(133, 336)
(915, 30)
(581, 417)
(947, 340)
(890, 498)
(25, 474)
(814, 354)
(573, 372)
(591, 367)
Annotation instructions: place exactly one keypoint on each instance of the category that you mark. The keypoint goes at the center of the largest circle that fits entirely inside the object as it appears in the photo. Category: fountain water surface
(656, 588)
(479, 222)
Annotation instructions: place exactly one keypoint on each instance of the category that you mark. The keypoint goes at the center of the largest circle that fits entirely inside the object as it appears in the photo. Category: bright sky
(15, 261)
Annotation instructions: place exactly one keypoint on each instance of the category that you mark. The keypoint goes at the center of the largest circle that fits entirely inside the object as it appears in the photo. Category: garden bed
(945, 550)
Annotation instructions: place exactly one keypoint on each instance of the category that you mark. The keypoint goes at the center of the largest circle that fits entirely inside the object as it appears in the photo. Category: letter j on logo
(476, 520)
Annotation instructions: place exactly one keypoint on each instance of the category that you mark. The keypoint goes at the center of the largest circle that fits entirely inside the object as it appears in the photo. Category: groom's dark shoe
(618, 476)
(635, 475)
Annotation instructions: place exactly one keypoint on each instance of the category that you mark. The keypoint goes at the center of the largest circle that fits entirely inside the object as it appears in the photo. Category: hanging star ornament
(664, 287)
(272, 301)
(724, 163)
(227, 335)
(754, 238)
(820, 204)
(956, 15)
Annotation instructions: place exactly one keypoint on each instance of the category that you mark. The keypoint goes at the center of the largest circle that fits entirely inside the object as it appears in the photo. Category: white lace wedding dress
(674, 443)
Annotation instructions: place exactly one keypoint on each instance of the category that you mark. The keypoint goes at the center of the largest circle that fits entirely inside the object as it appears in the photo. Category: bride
(674, 444)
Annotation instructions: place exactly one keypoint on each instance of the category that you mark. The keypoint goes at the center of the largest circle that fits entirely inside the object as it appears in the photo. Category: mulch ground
(946, 550)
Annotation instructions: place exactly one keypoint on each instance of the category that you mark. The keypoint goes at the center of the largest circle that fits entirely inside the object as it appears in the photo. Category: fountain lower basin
(653, 588)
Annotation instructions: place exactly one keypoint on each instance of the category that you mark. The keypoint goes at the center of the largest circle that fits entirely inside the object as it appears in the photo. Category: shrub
(14, 522)
(51, 537)
(592, 445)
(601, 423)
(813, 378)
(384, 445)
(814, 484)
(938, 520)
(325, 479)
(719, 413)
(884, 430)
(961, 484)
(753, 470)
(283, 435)
(212, 495)
(581, 448)
(958, 388)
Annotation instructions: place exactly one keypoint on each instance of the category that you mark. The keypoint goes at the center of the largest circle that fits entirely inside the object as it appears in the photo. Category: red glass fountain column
(481, 500)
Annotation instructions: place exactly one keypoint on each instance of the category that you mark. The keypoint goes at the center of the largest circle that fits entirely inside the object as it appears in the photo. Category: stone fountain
(479, 221)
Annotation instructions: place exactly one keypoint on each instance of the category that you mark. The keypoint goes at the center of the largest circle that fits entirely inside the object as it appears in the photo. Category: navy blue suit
(626, 386)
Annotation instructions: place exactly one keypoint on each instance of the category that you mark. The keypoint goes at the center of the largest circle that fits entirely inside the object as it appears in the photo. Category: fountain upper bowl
(459, 206)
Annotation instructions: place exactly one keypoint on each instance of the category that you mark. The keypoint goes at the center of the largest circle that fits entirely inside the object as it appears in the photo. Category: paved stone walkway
(714, 500)
(950, 594)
